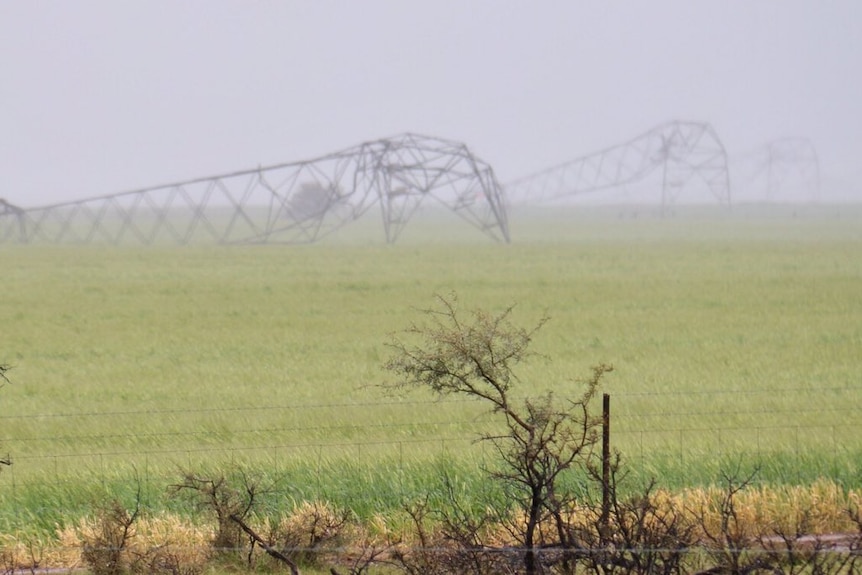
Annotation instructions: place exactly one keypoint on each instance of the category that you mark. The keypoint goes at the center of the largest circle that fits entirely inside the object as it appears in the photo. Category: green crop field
(734, 337)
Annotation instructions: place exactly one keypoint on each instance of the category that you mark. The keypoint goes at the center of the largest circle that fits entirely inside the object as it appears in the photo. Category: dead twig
(270, 550)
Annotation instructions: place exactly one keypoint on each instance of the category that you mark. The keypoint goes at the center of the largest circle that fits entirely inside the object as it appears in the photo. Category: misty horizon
(103, 98)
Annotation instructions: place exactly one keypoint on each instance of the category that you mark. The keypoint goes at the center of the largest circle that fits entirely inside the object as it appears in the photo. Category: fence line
(678, 431)
(620, 428)
(656, 429)
(442, 401)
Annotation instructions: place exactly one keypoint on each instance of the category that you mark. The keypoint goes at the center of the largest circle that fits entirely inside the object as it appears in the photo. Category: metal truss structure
(298, 202)
(684, 151)
(787, 163)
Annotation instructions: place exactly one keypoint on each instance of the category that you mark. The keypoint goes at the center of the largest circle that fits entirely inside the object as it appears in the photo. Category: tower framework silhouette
(298, 202)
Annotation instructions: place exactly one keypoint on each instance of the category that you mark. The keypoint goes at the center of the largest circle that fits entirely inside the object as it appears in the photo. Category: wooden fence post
(606, 462)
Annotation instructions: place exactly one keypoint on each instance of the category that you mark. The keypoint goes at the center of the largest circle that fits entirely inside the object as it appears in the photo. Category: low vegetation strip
(792, 528)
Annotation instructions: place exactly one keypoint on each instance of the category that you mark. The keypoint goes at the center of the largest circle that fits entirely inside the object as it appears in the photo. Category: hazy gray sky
(101, 96)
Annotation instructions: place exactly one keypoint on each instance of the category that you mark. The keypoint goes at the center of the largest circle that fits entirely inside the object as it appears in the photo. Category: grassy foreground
(735, 338)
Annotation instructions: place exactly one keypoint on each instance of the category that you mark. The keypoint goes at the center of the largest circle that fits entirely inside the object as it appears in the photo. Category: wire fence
(798, 431)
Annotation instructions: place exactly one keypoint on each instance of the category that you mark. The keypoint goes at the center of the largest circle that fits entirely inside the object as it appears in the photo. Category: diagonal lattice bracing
(296, 202)
(686, 152)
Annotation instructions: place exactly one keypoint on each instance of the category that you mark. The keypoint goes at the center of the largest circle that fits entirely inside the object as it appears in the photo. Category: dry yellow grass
(163, 539)
(820, 508)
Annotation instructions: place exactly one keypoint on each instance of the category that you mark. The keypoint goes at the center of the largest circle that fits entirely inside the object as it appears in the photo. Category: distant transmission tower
(685, 152)
(785, 164)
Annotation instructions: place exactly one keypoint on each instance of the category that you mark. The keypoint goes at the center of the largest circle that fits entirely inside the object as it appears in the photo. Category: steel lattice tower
(297, 202)
(684, 151)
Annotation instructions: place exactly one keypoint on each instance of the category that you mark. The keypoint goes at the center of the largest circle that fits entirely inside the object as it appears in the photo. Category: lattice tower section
(685, 152)
(297, 202)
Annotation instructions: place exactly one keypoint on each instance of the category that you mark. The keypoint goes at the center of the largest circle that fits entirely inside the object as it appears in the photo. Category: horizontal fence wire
(829, 545)
(752, 432)
(679, 426)
(364, 404)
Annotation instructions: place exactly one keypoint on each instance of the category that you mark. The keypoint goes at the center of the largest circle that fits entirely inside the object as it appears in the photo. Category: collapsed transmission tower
(684, 151)
(298, 202)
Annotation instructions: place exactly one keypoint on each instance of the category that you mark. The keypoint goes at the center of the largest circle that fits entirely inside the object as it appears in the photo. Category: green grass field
(734, 336)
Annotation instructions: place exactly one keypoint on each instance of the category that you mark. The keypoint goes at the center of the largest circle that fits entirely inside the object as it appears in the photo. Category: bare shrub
(117, 541)
(169, 545)
(729, 539)
(232, 507)
(800, 551)
(27, 552)
(106, 538)
(11, 554)
(854, 542)
(643, 533)
(228, 503)
(368, 545)
(313, 533)
(441, 543)
(543, 437)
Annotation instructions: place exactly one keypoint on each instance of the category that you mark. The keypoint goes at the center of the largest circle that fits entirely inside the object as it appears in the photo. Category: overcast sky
(101, 96)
